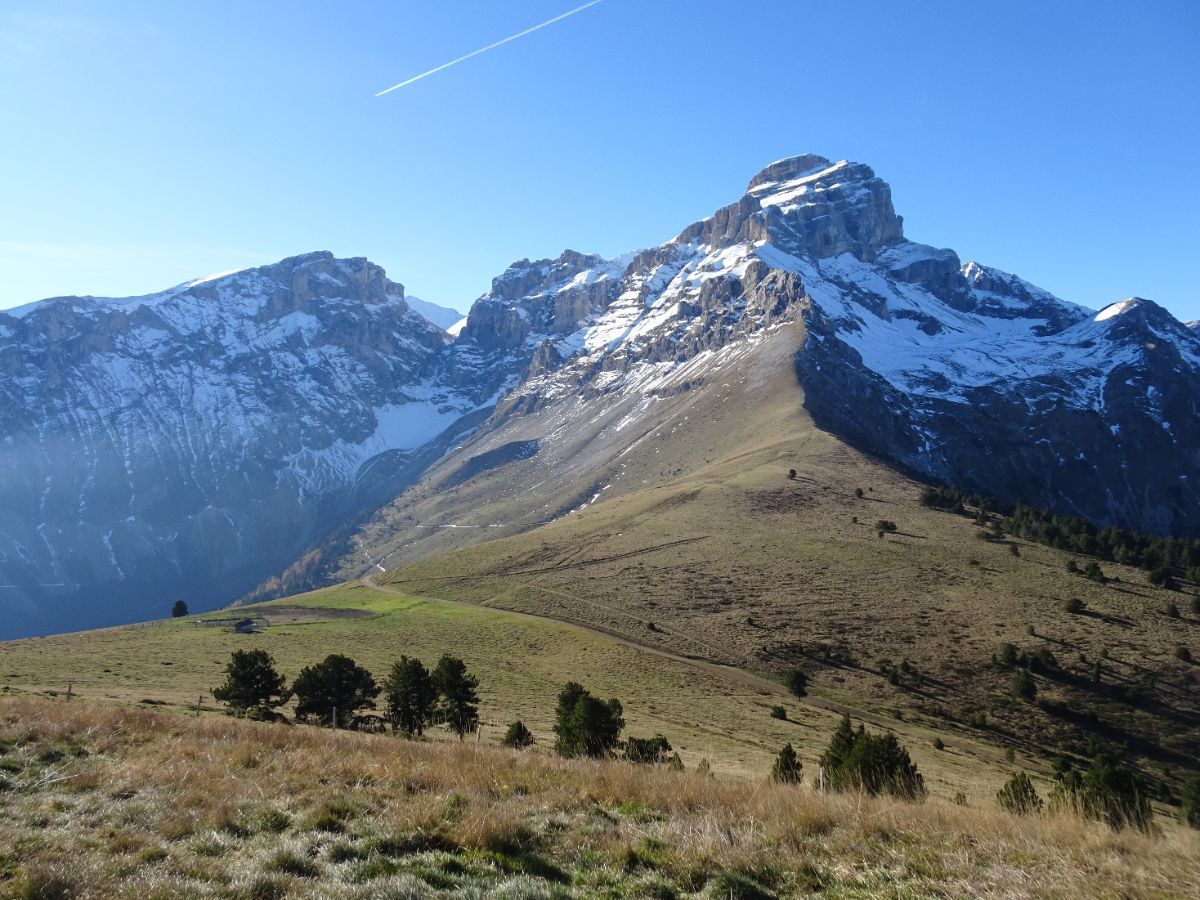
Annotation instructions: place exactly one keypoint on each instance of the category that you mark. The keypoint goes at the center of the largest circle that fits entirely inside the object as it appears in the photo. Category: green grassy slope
(705, 547)
(706, 712)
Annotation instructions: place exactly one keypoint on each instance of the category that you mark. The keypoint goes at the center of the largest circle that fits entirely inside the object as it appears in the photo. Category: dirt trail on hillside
(732, 673)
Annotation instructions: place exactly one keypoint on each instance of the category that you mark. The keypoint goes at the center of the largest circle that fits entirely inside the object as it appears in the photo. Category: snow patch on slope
(957, 351)
(1116, 309)
(443, 317)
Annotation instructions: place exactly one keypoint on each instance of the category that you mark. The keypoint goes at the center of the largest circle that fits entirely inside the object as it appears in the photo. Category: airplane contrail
(513, 37)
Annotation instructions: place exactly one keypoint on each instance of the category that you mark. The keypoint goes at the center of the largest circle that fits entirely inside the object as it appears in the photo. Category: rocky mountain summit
(196, 441)
(951, 369)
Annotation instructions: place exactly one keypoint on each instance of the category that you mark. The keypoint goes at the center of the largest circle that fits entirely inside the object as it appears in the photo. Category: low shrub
(1019, 796)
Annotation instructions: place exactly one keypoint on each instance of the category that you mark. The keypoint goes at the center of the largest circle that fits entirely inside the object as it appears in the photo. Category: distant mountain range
(195, 442)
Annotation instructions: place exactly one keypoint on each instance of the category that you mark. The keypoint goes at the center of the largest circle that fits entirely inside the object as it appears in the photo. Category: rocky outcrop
(186, 444)
(821, 209)
(542, 297)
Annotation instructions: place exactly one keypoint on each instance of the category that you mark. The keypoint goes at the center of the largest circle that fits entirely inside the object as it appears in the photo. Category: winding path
(726, 671)
(733, 673)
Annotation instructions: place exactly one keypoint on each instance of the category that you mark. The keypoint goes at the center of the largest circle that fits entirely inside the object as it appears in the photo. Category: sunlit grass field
(705, 711)
(101, 800)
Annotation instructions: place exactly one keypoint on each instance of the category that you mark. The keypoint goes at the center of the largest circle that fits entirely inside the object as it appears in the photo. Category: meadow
(104, 800)
(707, 711)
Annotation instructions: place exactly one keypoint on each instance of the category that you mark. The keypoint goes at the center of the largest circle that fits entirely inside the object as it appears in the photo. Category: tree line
(1165, 558)
(337, 691)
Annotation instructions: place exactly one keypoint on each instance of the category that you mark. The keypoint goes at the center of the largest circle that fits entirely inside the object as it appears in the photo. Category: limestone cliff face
(186, 443)
(543, 297)
(953, 370)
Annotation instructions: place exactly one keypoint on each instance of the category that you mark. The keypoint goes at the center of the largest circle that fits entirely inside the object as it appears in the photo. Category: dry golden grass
(102, 801)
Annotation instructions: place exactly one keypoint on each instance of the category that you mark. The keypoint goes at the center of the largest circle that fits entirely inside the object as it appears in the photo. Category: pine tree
(251, 683)
(1023, 685)
(1107, 792)
(647, 750)
(517, 737)
(786, 769)
(336, 686)
(839, 746)
(410, 696)
(1009, 656)
(874, 764)
(585, 725)
(797, 682)
(1019, 796)
(458, 701)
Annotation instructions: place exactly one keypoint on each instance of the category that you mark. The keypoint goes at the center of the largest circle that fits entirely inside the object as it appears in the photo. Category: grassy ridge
(699, 543)
(106, 801)
(735, 562)
(521, 664)
(705, 711)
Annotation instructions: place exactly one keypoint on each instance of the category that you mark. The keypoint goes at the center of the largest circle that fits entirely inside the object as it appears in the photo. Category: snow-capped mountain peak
(210, 433)
(1115, 309)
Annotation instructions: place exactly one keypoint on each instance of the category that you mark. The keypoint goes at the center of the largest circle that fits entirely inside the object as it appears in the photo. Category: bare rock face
(186, 443)
(790, 169)
(536, 297)
(826, 210)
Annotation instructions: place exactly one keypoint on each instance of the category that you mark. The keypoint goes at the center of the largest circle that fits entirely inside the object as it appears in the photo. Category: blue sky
(146, 143)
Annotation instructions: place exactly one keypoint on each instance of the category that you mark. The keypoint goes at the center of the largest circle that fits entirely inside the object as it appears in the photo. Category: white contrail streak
(499, 43)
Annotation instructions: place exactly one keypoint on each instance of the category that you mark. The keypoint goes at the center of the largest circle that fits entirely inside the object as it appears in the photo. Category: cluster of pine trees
(337, 691)
(857, 760)
(1105, 791)
(1163, 557)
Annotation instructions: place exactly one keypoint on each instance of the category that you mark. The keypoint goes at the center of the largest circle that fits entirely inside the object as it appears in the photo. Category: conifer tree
(333, 691)
(458, 702)
(1019, 795)
(410, 696)
(252, 684)
(786, 769)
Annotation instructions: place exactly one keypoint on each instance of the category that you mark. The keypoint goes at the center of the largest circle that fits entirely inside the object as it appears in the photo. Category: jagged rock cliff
(188, 443)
